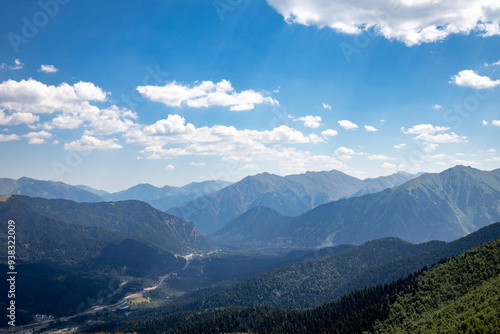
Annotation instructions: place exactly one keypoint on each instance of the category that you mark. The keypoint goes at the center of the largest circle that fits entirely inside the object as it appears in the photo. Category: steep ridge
(290, 195)
(442, 206)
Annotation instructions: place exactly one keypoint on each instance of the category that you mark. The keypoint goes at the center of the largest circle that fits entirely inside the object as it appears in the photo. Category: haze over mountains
(161, 198)
(289, 195)
(442, 206)
(46, 189)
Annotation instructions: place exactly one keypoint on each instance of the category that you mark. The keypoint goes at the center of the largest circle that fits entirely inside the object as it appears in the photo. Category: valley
(104, 266)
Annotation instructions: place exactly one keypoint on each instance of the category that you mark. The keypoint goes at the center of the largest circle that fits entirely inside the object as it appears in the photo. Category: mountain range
(442, 206)
(46, 189)
(289, 195)
(161, 198)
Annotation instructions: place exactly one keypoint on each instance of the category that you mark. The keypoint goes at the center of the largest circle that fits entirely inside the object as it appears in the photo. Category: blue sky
(111, 94)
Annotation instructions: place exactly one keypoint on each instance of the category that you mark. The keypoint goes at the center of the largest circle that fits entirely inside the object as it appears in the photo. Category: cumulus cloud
(469, 78)
(175, 130)
(485, 122)
(370, 128)
(437, 106)
(205, 94)
(380, 157)
(32, 96)
(38, 135)
(344, 151)
(169, 167)
(442, 138)
(410, 22)
(496, 122)
(197, 164)
(36, 141)
(17, 118)
(329, 133)
(8, 137)
(88, 143)
(424, 128)
(312, 122)
(48, 69)
(465, 162)
(112, 120)
(327, 106)
(399, 146)
(348, 125)
(429, 147)
(428, 133)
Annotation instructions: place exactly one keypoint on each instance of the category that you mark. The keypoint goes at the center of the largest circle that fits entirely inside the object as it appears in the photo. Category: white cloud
(424, 128)
(87, 143)
(70, 104)
(205, 94)
(370, 128)
(427, 133)
(112, 120)
(429, 147)
(382, 120)
(17, 118)
(197, 164)
(437, 106)
(496, 122)
(8, 137)
(442, 138)
(48, 69)
(169, 167)
(175, 130)
(469, 78)
(492, 150)
(393, 168)
(17, 65)
(237, 158)
(465, 162)
(312, 122)
(248, 166)
(408, 21)
(388, 165)
(344, 151)
(497, 63)
(329, 133)
(36, 141)
(380, 157)
(485, 122)
(38, 135)
(399, 146)
(348, 125)
(55, 142)
(434, 157)
(32, 96)
(327, 106)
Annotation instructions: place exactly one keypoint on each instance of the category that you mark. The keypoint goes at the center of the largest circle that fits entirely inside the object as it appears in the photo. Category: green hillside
(459, 295)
